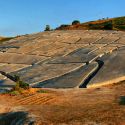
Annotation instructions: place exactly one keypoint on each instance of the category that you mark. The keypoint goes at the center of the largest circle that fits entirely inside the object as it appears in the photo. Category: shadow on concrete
(86, 82)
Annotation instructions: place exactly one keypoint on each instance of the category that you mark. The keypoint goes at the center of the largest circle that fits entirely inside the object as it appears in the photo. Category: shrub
(75, 22)
(119, 21)
(42, 91)
(64, 25)
(14, 93)
(20, 84)
(122, 100)
(121, 27)
(108, 26)
(47, 28)
(105, 26)
(23, 85)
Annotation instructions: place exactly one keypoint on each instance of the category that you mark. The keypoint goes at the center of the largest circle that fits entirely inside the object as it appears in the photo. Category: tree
(47, 28)
(75, 22)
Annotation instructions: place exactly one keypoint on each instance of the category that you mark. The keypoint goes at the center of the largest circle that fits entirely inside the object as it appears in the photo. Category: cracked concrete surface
(53, 59)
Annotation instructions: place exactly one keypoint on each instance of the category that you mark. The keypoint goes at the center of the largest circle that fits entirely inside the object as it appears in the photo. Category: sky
(19, 17)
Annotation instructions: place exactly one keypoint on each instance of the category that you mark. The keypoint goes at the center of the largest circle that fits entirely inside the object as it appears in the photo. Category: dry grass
(71, 107)
(117, 24)
(3, 39)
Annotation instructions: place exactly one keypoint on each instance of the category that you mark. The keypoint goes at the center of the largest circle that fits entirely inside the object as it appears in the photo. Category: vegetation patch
(20, 86)
(76, 22)
(42, 91)
(14, 93)
(47, 28)
(20, 83)
(101, 24)
(122, 100)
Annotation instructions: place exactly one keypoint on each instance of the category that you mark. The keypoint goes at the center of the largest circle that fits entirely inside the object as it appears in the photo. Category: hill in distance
(101, 24)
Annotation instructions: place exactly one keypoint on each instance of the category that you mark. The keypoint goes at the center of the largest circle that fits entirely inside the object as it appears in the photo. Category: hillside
(3, 39)
(49, 59)
(102, 24)
(76, 77)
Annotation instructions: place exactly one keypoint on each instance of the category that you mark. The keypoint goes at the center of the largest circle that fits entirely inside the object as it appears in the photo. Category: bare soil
(93, 106)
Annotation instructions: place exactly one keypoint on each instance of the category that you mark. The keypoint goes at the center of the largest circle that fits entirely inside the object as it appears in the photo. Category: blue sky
(29, 16)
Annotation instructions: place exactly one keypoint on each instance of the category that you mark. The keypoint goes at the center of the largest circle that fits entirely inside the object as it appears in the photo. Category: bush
(47, 28)
(64, 25)
(104, 26)
(108, 26)
(75, 22)
(24, 85)
(122, 100)
(20, 84)
(14, 93)
(121, 27)
(42, 91)
(119, 21)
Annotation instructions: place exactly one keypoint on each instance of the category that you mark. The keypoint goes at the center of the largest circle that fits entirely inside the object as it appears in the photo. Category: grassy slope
(108, 24)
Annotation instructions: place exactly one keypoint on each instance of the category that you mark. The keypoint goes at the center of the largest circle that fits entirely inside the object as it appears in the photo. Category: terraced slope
(64, 59)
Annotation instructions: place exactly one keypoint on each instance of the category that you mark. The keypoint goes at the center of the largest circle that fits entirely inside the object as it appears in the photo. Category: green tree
(47, 28)
(75, 22)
